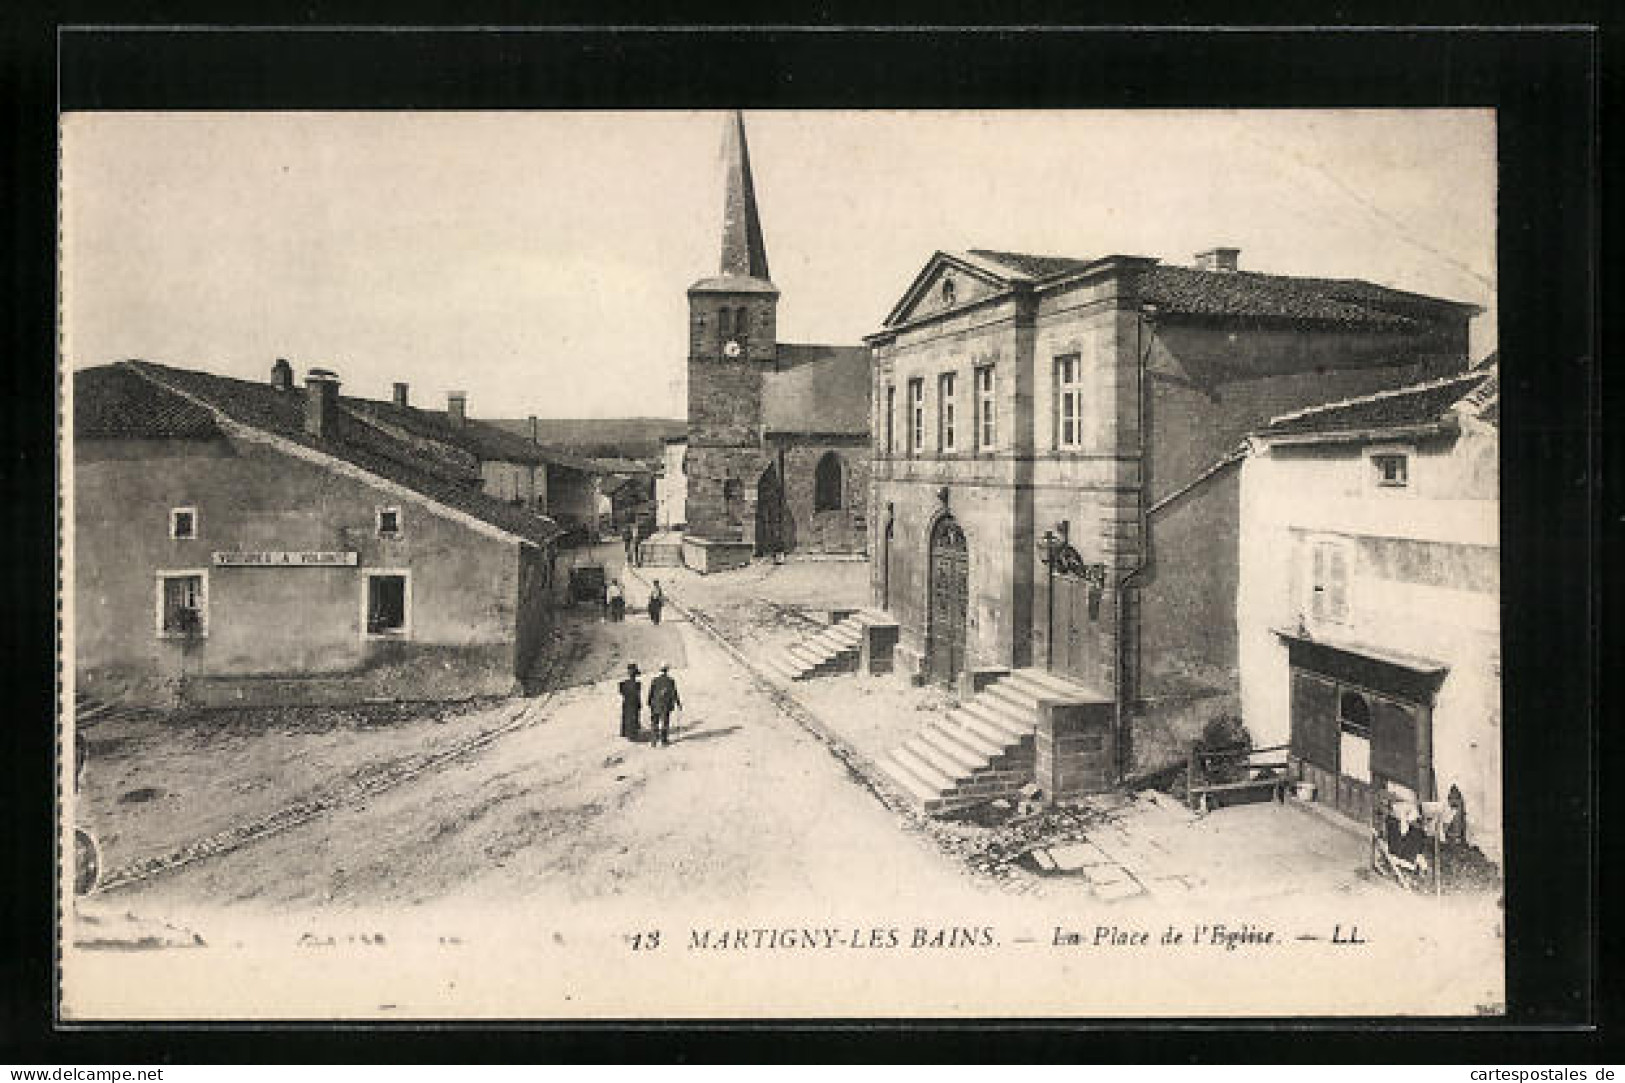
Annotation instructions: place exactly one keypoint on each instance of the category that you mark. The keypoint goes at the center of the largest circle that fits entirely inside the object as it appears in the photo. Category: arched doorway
(949, 598)
(771, 535)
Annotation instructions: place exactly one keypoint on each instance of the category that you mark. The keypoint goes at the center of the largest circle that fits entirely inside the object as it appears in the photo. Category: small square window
(183, 523)
(1393, 471)
(389, 522)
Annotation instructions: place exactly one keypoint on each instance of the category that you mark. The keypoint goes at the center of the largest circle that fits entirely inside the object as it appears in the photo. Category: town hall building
(1056, 458)
(777, 457)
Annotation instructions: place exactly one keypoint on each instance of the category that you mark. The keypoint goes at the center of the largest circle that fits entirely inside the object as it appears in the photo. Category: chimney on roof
(535, 431)
(457, 406)
(402, 395)
(1218, 259)
(282, 375)
(321, 402)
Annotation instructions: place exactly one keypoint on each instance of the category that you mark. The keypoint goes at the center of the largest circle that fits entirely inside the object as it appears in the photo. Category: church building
(778, 433)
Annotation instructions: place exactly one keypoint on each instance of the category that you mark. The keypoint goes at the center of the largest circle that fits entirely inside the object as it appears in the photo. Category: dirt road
(743, 804)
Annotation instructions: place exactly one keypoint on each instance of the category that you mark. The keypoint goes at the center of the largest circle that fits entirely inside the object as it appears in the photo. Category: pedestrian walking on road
(617, 600)
(657, 602)
(626, 540)
(663, 700)
(637, 545)
(631, 702)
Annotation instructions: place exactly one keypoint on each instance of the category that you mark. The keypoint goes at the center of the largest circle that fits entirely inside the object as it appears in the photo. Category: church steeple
(744, 252)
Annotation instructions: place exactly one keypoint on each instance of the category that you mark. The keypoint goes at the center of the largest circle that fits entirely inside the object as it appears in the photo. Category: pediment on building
(948, 281)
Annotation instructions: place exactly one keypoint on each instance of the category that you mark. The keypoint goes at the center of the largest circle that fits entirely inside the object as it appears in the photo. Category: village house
(1056, 461)
(1368, 611)
(512, 468)
(777, 458)
(246, 543)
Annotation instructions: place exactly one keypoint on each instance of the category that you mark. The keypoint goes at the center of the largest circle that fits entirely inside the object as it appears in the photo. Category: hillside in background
(629, 437)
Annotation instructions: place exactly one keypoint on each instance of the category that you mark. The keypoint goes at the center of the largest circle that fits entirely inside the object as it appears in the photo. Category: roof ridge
(1374, 396)
(419, 483)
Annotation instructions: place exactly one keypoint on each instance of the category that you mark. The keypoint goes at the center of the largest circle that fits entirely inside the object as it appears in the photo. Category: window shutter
(1393, 742)
(1317, 583)
(1337, 583)
(1314, 720)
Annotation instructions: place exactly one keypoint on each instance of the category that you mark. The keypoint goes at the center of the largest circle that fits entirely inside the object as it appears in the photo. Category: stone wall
(279, 623)
(842, 530)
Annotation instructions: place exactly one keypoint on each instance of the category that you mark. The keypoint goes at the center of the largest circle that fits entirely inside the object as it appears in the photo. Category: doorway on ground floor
(772, 530)
(948, 602)
(1353, 741)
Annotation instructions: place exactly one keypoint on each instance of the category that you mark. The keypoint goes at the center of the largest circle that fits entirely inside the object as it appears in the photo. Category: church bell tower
(732, 341)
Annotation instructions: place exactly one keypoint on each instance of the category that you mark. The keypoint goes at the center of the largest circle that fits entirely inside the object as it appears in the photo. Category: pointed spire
(743, 250)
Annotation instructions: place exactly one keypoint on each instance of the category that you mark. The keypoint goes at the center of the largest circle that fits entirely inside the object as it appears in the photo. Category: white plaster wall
(1286, 498)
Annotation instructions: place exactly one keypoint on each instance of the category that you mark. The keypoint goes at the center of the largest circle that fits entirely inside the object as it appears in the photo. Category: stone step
(1023, 702)
(940, 782)
(830, 647)
(804, 657)
(1001, 717)
(952, 728)
(951, 760)
(1044, 683)
(916, 788)
(991, 731)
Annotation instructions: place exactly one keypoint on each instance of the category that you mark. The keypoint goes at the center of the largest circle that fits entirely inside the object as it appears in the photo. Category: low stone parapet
(1074, 749)
(877, 650)
(705, 555)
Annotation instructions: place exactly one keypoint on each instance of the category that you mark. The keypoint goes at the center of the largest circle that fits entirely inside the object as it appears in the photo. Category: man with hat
(663, 699)
(631, 702)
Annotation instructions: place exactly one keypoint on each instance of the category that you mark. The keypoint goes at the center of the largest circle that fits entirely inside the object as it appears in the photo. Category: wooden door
(1077, 619)
(950, 593)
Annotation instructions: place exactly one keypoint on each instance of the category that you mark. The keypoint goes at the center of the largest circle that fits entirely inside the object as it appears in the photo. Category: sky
(539, 261)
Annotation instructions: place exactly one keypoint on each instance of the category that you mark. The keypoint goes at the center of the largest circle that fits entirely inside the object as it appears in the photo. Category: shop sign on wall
(277, 558)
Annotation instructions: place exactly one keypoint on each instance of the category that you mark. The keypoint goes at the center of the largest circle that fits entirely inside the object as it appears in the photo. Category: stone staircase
(836, 649)
(983, 749)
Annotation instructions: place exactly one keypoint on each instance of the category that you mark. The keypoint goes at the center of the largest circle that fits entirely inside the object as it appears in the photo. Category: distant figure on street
(663, 699)
(657, 602)
(627, 534)
(617, 600)
(637, 545)
(631, 702)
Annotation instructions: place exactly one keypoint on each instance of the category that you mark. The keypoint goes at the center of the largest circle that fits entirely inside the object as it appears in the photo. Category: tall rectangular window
(891, 418)
(986, 410)
(387, 604)
(947, 409)
(1328, 582)
(916, 415)
(1068, 402)
(183, 604)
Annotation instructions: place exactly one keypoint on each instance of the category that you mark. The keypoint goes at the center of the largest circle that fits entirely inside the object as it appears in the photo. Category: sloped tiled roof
(818, 390)
(113, 401)
(1401, 408)
(1191, 291)
(1030, 265)
(282, 413)
(481, 439)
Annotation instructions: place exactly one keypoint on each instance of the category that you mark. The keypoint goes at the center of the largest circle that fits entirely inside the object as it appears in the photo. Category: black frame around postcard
(1544, 83)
